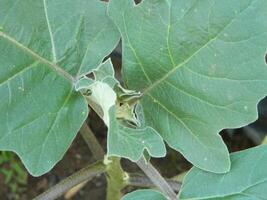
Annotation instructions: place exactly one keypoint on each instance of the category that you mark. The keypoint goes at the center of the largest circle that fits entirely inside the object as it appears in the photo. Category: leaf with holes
(45, 46)
(246, 180)
(200, 66)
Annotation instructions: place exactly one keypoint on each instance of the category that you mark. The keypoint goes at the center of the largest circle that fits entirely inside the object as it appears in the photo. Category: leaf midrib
(39, 58)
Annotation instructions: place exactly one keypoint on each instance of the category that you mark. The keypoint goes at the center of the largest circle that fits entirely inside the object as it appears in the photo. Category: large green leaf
(40, 111)
(247, 179)
(200, 66)
(144, 195)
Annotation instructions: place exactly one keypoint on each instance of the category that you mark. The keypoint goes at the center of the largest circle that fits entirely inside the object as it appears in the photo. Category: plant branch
(153, 176)
(156, 178)
(97, 152)
(92, 142)
(140, 180)
(73, 180)
(115, 179)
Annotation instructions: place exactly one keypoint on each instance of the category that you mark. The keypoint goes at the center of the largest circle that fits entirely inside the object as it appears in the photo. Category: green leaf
(105, 73)
(130, 143)
(246, 180)
(124, 139)
(144, 195)
(200, 66)
(45, 47)
(83, 84)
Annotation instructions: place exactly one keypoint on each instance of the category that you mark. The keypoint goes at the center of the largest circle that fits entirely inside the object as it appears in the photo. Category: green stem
(115, 179)
(73, 180)
(114, 172)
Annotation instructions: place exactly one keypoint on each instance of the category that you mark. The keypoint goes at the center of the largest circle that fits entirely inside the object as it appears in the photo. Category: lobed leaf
(200, 66)
(45, 46)
(130, 143)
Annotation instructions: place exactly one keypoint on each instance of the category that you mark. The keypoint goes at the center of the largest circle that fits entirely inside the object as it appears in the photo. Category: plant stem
(68, 183)
(140, 180)
(115, 179)
(96, 149)
(114, 172)
(92, 142)
(73, 191)
(156, 178)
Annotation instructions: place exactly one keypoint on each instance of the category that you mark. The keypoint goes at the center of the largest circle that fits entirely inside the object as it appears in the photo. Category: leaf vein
(50, 33)
(133, 50)
(173, 70)
(178, 119)
(52, 126)
(37, 57)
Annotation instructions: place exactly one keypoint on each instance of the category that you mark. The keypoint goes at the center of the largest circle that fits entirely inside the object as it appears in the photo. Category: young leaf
(246, 180)
(105, 71)
(40, 110)
(104, 96)
(83, 84)
(130, 143)
(123, 141)
(200, 66)
(144, 195)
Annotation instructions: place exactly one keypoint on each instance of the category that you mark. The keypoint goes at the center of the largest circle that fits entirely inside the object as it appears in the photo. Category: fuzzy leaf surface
(122, 140)
(130, 143)
(200, 66)
(246, 180)
(45, 45)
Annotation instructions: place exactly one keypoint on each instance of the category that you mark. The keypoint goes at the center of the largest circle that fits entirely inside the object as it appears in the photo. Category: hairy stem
(76, 178)
(115, 179)
(156, 178)
(92, 142)
(140, 180)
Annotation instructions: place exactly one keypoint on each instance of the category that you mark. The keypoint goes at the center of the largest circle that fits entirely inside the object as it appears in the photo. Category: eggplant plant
(190, 68)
